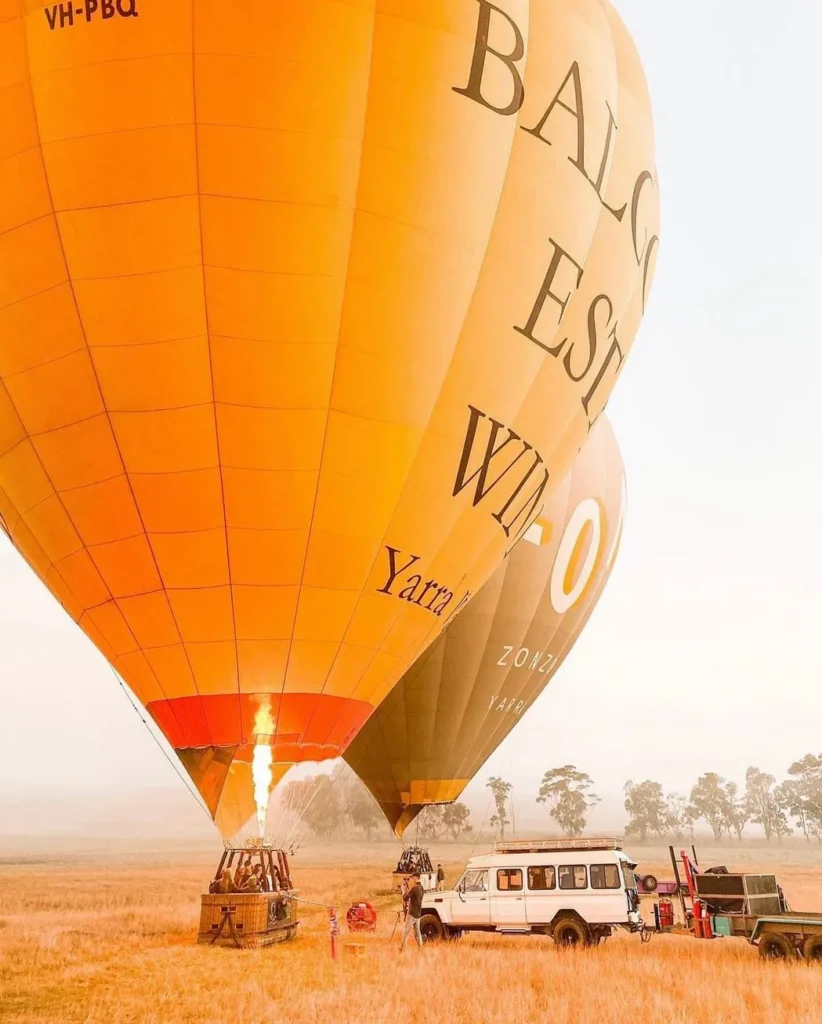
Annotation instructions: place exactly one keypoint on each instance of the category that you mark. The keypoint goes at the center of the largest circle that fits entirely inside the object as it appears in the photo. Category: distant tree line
(778, 808)
(443, 821)
(329, 806)
(338, 806)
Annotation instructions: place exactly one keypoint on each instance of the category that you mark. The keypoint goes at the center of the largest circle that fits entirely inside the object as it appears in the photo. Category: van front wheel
(431, 928)
(569, 933)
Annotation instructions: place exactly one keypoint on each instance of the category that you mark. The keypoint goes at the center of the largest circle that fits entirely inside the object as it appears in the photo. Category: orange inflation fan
(305, 310)
(361, 917)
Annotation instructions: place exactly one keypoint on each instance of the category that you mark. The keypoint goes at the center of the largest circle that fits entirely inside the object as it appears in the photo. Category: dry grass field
(109, 939)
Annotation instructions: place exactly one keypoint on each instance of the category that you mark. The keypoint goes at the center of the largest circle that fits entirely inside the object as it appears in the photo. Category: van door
(540, 895)
(608, 904)
(508, 897)
(471, 905)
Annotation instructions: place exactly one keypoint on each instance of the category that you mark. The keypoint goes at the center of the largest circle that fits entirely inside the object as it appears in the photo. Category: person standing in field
(440, 877)
(413, 912)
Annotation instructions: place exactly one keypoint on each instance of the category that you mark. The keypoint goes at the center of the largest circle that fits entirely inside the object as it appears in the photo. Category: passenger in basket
(225, 883)
(242, 873)
(265, 885)
(440, 877)
(413, 912)
(252, 883)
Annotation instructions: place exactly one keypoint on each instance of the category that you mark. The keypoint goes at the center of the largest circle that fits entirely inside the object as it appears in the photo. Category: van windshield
(475, 881)
(628, 875)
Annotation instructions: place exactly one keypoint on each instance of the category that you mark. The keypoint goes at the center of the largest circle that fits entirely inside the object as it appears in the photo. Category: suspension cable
(186, 782)
(320, 788)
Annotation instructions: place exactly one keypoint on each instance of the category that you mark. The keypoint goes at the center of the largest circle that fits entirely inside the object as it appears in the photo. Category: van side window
(573, 876)
(540, 879)
(604, 876)
(509, 878)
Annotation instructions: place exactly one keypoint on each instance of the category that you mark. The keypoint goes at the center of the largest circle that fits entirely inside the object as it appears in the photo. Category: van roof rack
(547, 845)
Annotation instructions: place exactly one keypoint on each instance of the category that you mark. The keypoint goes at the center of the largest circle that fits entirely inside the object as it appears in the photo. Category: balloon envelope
(304, 310)
(473, 684)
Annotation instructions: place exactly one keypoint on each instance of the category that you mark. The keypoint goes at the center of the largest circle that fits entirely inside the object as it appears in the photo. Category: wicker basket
(247, 919)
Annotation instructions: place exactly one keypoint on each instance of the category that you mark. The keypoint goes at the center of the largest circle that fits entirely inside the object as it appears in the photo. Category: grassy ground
(109, 939)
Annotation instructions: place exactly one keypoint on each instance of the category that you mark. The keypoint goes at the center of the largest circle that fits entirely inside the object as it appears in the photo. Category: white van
(576, 890)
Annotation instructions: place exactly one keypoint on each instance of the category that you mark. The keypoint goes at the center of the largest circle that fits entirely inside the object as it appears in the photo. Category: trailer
(717, 903)
(787, 936)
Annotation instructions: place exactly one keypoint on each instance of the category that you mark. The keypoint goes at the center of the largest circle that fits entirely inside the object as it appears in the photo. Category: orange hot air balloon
(304, 310)
(461, 699)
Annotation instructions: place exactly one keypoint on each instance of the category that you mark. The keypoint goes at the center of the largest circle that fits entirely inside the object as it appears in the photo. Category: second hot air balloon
(474, 683)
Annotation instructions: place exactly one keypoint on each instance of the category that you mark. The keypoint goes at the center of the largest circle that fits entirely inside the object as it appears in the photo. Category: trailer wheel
(812, 949)
(569, 933)
(775, 946)
(649, 883)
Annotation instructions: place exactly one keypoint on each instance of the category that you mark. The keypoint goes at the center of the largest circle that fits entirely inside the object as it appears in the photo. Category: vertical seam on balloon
(69, 281)
(445, 374)
(53, 565)
(10, 531)
(241, 736)
(405, 715)
(320, 694)
(377, 718)
(457, 771)
(432, 737)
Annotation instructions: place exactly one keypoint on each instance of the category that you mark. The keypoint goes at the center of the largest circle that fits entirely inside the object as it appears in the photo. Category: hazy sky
(704, 653)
